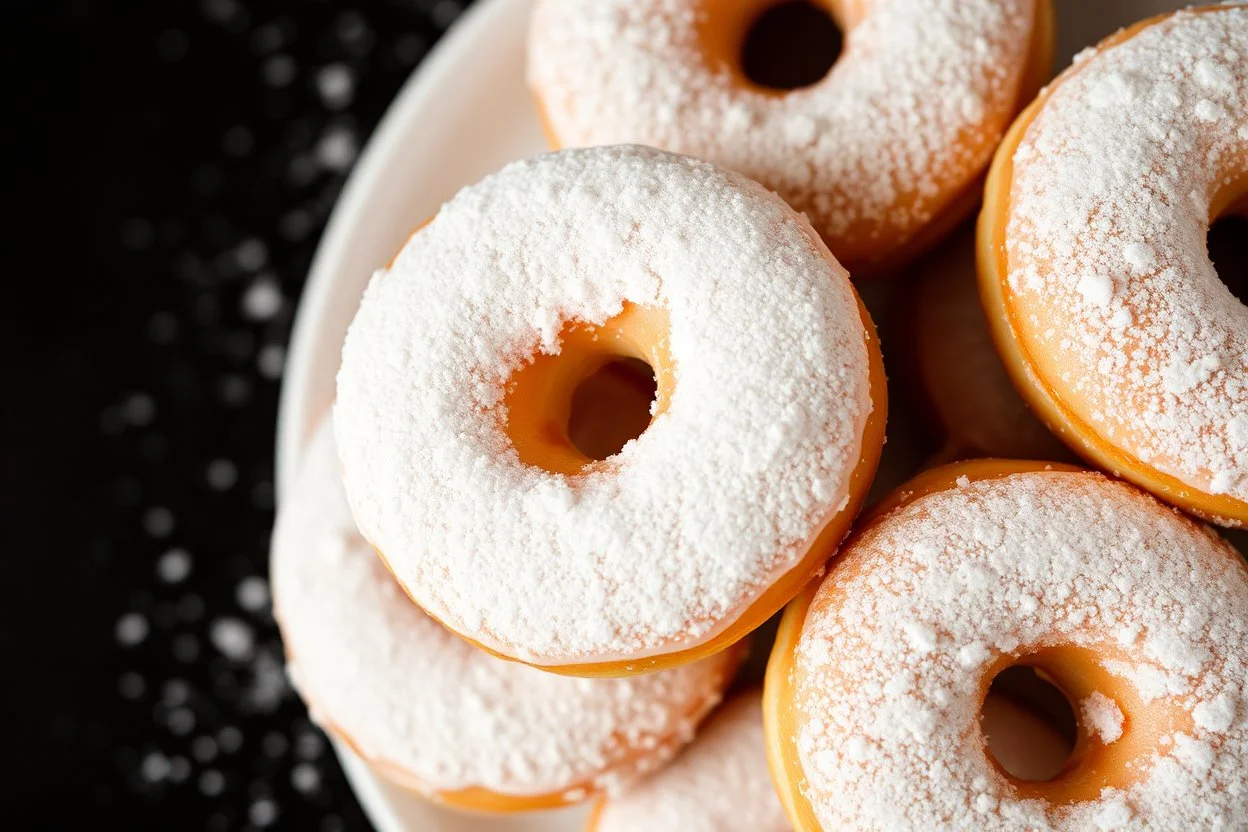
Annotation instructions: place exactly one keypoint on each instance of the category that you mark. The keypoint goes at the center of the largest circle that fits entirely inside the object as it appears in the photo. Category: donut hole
(791, 45)
(567, 410)
(1029, 724)
(612, 407)
(1228, 250)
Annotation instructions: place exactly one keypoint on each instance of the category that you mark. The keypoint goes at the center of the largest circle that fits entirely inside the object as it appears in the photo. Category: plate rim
(371, 167)
(294, 420)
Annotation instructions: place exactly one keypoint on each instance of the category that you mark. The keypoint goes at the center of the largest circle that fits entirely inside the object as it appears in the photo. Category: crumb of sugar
(922, 637)
(719, 783)
(404, 690)
(666, 543)
(1102, 716)
(1097, 288)
(1113, 814)
(875, 150)
(1216, 715)
(882, 728)
(1106, 240)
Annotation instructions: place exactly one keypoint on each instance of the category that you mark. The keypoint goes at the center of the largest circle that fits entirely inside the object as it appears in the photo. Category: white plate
(464, 114)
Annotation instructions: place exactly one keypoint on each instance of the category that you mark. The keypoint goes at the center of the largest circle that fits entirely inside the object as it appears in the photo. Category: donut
(462, 364)
(959, 385)
(885, 153)
(1135, 612)
(720, 783)
(1093, 263)
(430, 712)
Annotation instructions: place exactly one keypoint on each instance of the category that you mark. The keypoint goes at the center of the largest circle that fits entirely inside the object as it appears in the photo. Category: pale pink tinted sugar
(1106, 243)
(719, 784)
(905, 630)
(406, 692)
(669, 542)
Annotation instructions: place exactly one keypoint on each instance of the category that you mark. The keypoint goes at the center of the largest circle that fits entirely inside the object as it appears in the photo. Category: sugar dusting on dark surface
(187, 156)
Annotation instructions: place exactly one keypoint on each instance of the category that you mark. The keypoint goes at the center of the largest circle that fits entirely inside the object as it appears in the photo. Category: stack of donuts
(615, 407)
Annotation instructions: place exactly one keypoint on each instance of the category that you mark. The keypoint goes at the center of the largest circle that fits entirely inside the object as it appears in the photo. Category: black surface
(170, 166)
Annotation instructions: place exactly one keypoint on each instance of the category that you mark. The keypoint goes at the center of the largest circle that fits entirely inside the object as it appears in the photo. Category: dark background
(169, 167)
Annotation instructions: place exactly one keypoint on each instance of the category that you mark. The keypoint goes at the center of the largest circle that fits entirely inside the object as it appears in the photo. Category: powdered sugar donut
(1137, 613)
(1093, 260)
(719, 783)
(461, 367)
(431, 712)
(885, 153)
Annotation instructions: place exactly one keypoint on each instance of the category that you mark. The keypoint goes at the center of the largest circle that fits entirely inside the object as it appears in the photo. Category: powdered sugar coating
(407, 693)
(888, 731)
(1102, 716)
(719, 784)
(1119, 304)
(905, 121)
(666, 544)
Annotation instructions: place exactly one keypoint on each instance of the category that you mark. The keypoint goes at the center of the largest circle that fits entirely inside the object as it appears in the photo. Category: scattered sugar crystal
(132, 629)
(181, 721)
(140, 409)
(263, 812)
(158, 521)
(232, 637)
(222, 474)
(251, 254)
(263, 299)
(252, 593)
(336, 85)
(174, 566)
(305, 778)
(179, 769)
(155, 767)
(337, 149)
(204, 749)
(271, 361)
